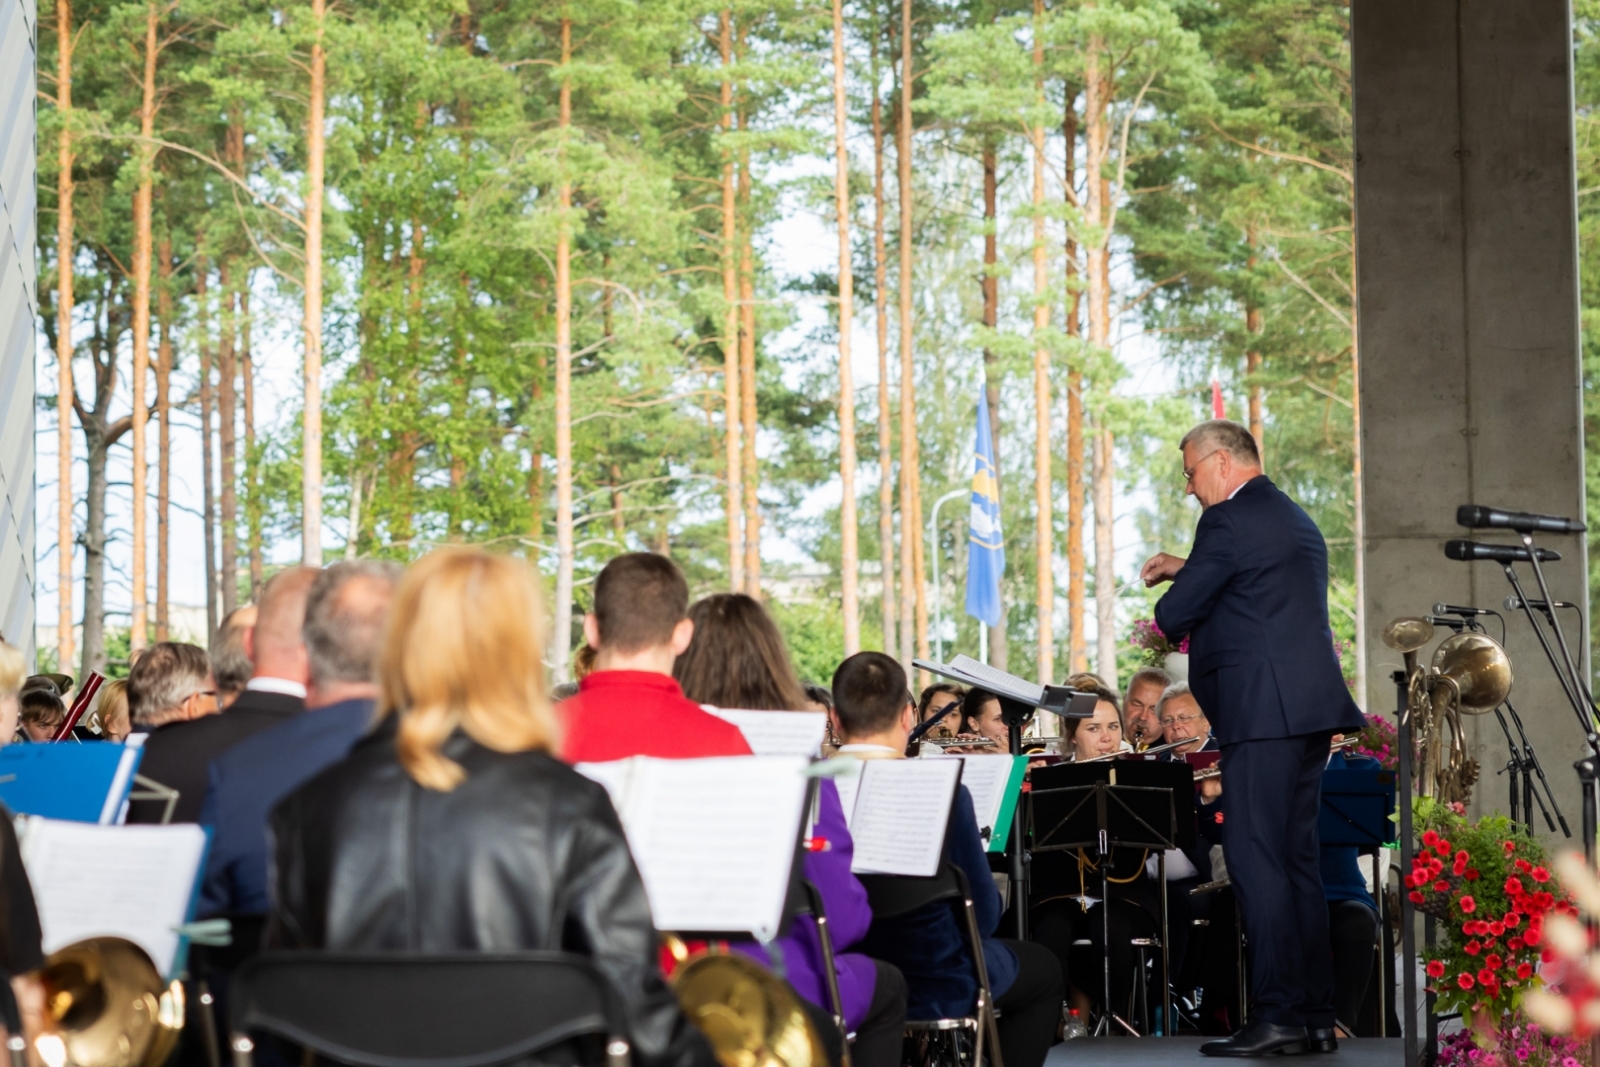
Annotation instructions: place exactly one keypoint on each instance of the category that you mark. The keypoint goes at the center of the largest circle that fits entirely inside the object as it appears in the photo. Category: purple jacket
(849, 915)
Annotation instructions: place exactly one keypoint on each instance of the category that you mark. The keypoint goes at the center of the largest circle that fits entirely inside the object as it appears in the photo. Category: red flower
(1511, 846)
(1436, 968)
(1513, 885)
(1443, 848)
(1533, 935)
(1486, 977)
(1524, 866)
(1515, 944)
(1430, 839)
(1497, 928)
(1441, 886)
(1468, 905)
(1416, 896)
(1464, 980)
(1511, 920)
(1472, 874)
(1493, 961)
(1472, 948)
(1524, 970)
(1540, 874)
(1460, 864)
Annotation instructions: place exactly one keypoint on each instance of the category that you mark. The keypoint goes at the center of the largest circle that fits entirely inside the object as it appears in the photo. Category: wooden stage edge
(1185, 1052)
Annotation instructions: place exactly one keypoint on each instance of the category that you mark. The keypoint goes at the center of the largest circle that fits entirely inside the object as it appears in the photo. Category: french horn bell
(107, 1006)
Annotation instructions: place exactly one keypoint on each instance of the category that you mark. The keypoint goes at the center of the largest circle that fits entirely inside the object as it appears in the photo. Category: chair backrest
(398, 1010)
(893, 894)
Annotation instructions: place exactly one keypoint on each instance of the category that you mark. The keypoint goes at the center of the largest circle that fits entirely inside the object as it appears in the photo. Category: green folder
(995, 783)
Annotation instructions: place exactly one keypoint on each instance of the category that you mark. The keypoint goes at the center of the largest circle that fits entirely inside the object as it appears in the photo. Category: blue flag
(986, 548)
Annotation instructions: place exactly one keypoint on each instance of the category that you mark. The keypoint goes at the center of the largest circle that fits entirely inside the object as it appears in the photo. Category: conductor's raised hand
(1159, 568)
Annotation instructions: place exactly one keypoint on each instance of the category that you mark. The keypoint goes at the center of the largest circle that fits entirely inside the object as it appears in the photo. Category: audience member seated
(345, 615)
(230, 660)
(737, 659)
(170, 689)
(629, 704)
(181, 757)
(1067, 891)
(874, 716)
(42, 710)
(111, 712)
(378, 852)
(1139, 710)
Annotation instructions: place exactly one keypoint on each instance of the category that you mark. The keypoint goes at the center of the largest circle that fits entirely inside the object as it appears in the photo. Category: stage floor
(1185, 1052)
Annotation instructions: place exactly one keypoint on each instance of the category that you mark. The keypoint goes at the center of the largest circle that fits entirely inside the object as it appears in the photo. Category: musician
(874, 717)
(230, 660)
(737, 659)
(629, 704)
(981, 717)
(1179, 716)
(1066, 904)
(1252, 598)
(112, 711)
(1139, 708)
(42, 710)
(179, 755)
(941, 700)
(380, 851)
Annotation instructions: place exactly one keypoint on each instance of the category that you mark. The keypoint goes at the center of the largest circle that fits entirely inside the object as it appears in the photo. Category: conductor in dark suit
(1253, 599)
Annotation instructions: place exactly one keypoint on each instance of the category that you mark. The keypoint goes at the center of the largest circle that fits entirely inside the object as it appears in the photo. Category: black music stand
(1131, 803)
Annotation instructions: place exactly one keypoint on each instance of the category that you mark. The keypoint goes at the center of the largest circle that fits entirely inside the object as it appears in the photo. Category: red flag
(1217, 411)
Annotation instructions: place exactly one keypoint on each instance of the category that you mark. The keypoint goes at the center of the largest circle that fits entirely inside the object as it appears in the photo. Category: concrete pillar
(1471, 385)
(18, 330)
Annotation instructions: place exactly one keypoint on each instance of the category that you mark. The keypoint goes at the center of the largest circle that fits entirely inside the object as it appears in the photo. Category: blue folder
(86, 782)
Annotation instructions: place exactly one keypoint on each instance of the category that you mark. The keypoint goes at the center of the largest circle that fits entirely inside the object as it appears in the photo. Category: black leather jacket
(524, 854)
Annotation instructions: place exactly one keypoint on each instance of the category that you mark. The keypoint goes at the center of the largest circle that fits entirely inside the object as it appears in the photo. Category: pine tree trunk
(209, 503)
(1044, 518)
(733, 420)
(94, 553)
(561, 639)
(311, 423)
(880, 306)
(139, 631)
(227, 438)
(252, 462)
(1105, 570)
(913, 605)
(66, 245)
(164, 458)
(1077, 583)
(747, 377)
(849, 558)
(998, 652)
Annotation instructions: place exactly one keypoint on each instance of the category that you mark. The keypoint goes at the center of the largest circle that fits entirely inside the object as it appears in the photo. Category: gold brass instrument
(107, 1006)
(1469, 674)
(749, 1016)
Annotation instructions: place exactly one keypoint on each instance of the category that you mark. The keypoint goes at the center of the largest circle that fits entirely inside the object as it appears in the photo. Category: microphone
(1452, 609)
(1471, 550)
(1455, 624)
(1514, 604)
(1479, 517)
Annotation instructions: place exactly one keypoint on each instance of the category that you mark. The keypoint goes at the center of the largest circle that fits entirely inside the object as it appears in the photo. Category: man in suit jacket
(1252, 597)
(177, 754)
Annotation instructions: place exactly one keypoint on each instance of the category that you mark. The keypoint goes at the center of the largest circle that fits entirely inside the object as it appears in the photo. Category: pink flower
(1468, 905)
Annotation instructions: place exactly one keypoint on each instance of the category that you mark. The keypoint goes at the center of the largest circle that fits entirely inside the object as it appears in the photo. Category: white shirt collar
(1236, 489)
(266, 684)
(868, 748)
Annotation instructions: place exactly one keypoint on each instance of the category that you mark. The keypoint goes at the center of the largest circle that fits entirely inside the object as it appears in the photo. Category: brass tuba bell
(107, 1006)
(1477, 668)
(749, 1016)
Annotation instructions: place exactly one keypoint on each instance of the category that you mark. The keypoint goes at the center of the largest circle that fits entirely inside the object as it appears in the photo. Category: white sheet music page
(152, 871)
(901, 810)
(615, 775)
(985, 778)
(998, 681)
(778, 733)
(714, 839)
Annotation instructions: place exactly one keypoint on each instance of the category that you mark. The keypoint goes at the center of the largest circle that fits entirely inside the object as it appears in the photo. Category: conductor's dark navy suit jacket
(1253, 600)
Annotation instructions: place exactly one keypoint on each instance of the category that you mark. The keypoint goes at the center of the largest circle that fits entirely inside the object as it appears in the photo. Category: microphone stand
(1577, 694)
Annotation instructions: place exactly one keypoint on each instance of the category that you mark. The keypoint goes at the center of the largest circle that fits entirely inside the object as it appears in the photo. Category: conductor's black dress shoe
(1322, 1039)
(1259, 1038)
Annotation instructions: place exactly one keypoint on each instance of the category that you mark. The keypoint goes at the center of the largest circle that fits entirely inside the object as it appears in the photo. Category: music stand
(1131, 803)
(1019, 699)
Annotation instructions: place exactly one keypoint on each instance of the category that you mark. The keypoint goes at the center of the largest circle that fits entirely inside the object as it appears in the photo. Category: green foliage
(814, 632)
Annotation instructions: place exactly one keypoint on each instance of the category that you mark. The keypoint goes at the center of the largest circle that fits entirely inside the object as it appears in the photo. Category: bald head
(276, 645)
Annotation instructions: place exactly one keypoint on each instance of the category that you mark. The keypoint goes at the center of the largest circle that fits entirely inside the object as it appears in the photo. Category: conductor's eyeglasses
(1181, 720)
(1188, 472)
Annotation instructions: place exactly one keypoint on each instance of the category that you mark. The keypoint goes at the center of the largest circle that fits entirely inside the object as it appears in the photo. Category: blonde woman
(452, 828)
(112, 711)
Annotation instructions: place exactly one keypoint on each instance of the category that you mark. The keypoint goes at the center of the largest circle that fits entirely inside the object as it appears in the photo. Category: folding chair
(399, 1010)
(830, 971)
(893, 895)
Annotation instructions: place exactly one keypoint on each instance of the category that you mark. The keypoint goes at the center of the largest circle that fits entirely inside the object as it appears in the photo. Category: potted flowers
(1159, 650)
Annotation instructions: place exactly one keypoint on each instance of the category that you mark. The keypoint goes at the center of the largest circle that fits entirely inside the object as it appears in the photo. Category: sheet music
(901, 810)
(1000, 682)
(151, 871)
(778, 733)
(986, 778)
(847, 783)
(714, 839)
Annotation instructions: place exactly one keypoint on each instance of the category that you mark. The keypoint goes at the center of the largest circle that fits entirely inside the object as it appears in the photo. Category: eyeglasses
(1181, 720)
(1188, 472)
(202, 693)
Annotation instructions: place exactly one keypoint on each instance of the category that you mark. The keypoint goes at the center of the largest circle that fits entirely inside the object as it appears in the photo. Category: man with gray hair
(346, 611)
(230, 660)
(1182, 720)
(170, 691)
(1139, 715)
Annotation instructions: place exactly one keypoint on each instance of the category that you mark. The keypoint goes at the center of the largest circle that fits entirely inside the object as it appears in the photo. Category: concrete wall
(1470, 368)
(18, 306)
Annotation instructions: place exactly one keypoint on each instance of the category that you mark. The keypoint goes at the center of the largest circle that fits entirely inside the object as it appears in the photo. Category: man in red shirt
(630, 705)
